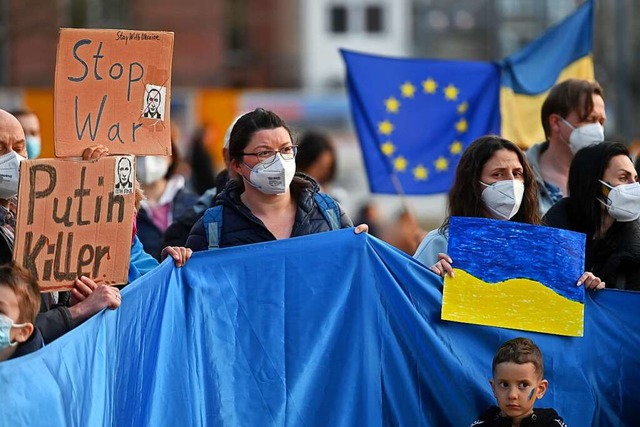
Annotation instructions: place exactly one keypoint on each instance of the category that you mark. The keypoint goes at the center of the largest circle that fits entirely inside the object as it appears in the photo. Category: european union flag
(414, 117)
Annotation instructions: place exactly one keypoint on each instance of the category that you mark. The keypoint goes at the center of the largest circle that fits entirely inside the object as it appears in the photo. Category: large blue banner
(329, 329)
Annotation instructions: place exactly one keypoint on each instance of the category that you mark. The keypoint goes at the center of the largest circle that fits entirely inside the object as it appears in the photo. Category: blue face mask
(34, 146)
(5, 331)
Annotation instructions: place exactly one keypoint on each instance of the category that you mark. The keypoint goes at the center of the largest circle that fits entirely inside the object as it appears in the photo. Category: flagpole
(400, 192)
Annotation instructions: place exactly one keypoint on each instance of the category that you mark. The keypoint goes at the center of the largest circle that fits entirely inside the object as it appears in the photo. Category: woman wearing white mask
(166, 199)
(604, 203)
(493, 180)
(268, 201)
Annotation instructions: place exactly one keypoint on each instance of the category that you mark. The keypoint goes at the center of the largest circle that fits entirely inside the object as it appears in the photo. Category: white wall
(322, 65)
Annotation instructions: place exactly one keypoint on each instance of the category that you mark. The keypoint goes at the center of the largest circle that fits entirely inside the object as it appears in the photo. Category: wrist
(77, 313)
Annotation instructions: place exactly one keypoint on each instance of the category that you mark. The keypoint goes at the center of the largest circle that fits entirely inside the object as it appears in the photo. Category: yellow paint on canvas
(515, 303)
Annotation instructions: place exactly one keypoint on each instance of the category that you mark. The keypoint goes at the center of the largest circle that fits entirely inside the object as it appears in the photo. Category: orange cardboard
(75, 218)
(113, 87)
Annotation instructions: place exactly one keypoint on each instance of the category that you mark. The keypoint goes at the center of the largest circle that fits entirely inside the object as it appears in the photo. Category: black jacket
(615, 259)
(241, 227)
(54, 320)
(541, 417)
(178, 232)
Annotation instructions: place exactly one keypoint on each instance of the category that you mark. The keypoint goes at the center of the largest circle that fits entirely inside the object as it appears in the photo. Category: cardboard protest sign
(113, 87)
(75, 218)
(514, 275)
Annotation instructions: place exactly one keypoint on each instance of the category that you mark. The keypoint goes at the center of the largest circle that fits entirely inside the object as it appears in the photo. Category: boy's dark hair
(520, 351)
(25, 286)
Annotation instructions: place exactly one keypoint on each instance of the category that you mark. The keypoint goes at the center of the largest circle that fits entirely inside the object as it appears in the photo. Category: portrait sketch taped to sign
(113, 87)
(75, 218)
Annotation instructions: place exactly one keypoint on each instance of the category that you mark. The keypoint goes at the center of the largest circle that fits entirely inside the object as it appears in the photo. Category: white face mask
(150, 169)
(584, 136)
(623, 201)
(9, 174)
(273, 176)
(5, 331)
(503, 198)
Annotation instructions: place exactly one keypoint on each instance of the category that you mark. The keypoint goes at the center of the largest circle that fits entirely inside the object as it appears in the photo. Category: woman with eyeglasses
(268, 201)
(604, 203)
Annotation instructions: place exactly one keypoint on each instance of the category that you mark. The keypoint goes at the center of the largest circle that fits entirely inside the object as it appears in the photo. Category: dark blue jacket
(150, 235)
(541, 417)
(241, 227)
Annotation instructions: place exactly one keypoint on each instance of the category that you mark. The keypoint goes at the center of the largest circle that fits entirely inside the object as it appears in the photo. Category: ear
(555, 123)
(24, 333)
(493, 387)
(236, 166)
(542, 388)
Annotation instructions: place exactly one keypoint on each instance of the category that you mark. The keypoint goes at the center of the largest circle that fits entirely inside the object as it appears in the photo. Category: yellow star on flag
(385, 127)
(408, 90)
(392, 104)
(429, 86)
(400, 164)
(462, 126)
(420, 173)
(451, 93)
(455, 148)
(442, 164)
(462, 108)
(388, 148)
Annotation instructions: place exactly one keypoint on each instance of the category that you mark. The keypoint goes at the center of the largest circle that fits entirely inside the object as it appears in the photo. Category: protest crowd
(278, 185)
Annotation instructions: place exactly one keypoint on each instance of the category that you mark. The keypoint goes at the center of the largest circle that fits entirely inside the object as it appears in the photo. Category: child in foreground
(517, 382)
(19, 306)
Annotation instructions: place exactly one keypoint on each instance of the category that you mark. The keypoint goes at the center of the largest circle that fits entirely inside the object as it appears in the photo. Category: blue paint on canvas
(495, 250)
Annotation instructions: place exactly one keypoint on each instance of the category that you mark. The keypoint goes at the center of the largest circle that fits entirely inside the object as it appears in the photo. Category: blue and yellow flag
(562, 52)
(414, 117)
(331, 329)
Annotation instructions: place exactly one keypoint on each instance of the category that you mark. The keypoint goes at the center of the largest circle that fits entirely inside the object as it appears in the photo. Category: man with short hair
(153, 104)
(573, 116)
(54, 319)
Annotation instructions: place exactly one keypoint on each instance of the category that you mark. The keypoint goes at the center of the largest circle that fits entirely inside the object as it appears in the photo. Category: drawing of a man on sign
(154, 102)
(124, 174)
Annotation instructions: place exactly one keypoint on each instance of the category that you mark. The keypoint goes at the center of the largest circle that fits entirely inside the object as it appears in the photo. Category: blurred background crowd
(235, 55)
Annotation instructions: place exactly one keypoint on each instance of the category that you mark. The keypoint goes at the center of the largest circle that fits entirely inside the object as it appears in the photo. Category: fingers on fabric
(180, 254)
(590, 281)
(442, 268)
(361, 228)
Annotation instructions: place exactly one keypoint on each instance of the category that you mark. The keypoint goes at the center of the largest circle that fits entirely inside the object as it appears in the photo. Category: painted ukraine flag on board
(414, 117)
(563, 52)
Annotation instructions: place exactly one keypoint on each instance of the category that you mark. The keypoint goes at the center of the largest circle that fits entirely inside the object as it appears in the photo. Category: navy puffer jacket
(241, 227)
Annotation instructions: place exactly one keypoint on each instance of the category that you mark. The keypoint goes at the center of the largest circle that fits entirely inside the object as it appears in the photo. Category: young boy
(19, 306)
(517, 382)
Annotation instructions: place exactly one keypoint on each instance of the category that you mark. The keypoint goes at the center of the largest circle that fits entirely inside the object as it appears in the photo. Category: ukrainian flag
(563, 52)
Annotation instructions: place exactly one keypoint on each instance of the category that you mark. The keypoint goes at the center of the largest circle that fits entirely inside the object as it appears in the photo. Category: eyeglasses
(287, 153)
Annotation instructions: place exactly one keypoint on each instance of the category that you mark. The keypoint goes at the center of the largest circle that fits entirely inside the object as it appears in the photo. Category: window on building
(338, 18)
(374, 19)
